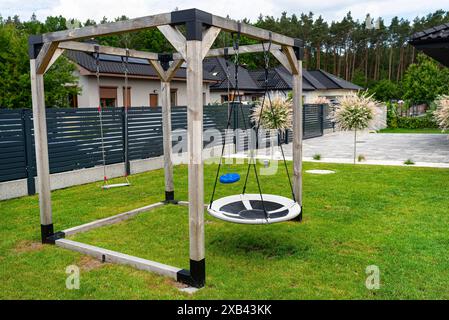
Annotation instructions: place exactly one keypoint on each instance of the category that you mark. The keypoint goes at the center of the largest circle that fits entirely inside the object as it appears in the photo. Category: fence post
(124, 116)
(322, 118)
(28, 143)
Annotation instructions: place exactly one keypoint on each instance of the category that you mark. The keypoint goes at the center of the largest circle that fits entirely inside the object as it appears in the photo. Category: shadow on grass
(261, 245)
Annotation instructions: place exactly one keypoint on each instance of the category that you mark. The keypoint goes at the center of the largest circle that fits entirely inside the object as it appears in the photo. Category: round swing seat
(229, 178)
(248, 209)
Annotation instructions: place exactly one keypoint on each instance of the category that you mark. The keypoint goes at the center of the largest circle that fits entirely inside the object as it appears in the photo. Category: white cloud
(236, 9)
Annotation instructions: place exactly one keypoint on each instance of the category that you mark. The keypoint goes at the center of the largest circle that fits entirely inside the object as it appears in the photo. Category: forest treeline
(346, 48)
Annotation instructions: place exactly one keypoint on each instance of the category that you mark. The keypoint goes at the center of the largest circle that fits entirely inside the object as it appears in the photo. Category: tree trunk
(390, 62)
(318, 56)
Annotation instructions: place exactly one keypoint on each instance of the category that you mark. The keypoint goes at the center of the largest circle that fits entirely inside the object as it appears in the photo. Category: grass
(392, 217)
(402, 130)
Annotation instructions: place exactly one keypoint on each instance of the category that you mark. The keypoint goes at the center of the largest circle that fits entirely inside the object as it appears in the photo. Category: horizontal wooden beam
(109, 28)
(110, 220)
(90, 47)
(106, 255)
(252, 32)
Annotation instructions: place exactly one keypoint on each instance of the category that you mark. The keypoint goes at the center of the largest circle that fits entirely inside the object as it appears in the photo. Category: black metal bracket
(165, 59)
(298, 48)
(194, 21)
(196, 276)
(49, 236)
(170, 198)
(35, 43)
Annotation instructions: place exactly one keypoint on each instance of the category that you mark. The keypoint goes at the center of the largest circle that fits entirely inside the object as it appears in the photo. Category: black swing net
(252, 208)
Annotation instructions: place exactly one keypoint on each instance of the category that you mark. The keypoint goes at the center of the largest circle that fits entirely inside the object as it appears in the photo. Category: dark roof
(113, 65)
(220, 67)
(280, 79)
(215, 70)
(434, 42)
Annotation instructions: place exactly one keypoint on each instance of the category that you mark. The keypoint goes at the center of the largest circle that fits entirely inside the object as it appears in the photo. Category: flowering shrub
(441, 114)
(354, 112)
(278, 116)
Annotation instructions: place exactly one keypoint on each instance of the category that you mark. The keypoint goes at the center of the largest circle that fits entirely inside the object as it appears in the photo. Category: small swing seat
(248, 209)
(116, 185)
(229, 178)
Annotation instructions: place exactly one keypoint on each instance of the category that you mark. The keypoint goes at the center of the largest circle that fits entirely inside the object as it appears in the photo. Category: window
(128, 102)
(73, 100)
(174, 97)
(108, 96)
(153, 100)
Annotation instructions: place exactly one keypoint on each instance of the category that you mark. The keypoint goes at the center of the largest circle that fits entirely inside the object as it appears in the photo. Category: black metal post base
(170, 197)
(46, 233)
(196, 276)
(49, 236)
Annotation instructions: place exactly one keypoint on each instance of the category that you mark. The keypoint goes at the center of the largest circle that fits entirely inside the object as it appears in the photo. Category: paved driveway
(430, 148)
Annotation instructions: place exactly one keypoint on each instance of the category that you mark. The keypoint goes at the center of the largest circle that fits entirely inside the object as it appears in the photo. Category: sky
(236, 9)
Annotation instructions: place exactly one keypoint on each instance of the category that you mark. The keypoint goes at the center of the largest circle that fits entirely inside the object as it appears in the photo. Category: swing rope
(125, 63)
(100, 113)
(236, 92)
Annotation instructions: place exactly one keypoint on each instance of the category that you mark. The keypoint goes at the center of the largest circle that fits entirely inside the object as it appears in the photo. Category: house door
(153, 100)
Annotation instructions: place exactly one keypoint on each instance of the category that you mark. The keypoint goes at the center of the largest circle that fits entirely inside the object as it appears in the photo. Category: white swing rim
(293, 207)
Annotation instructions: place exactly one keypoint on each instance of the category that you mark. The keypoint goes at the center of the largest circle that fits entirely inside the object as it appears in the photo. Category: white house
(144, 84)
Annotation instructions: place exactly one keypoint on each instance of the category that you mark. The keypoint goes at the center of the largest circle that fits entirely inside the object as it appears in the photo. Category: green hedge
(413, 122)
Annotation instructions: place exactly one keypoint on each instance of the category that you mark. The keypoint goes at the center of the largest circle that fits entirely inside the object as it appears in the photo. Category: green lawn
(394, 217)
(402, 130)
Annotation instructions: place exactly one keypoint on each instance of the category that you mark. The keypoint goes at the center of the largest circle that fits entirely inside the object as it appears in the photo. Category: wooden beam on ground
(251, 48)
(209, 36)
(41, 145)
(175, 37)
(106, 255)
(109, 28)
(45, 56)
(110, 220)
(251, 31)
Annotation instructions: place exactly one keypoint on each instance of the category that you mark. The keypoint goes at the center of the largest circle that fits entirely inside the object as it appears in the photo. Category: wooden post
(42, 162)
(297, 136)
(195, 150)
(167, 142)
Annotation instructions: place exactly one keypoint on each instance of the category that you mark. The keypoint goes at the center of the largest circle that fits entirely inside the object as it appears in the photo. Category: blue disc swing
(232, 177)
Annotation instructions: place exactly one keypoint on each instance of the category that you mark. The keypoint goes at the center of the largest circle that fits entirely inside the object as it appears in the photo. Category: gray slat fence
(74, 139)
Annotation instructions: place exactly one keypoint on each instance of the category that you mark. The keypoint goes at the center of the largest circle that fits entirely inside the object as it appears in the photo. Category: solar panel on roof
(107, 57)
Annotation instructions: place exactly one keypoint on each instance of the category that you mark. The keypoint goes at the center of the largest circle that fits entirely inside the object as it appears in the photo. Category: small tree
(354, 112)
(278, 116)
(274, 117)
(441, 114)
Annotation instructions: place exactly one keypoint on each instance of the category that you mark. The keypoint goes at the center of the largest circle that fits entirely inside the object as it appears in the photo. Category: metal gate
(313, 121)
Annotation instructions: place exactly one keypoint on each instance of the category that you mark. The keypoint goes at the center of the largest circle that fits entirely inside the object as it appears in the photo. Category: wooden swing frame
(201, 30)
